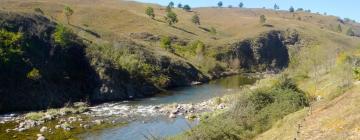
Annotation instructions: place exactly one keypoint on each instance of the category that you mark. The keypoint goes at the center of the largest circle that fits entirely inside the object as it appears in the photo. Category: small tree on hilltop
(241, 5)
(187, 8)
(291, 9)
(171, 5)
(339, 29)
(150, 12)
(262, 19)
(276, 7)
(220, 4)
(179, 5)
(171, 18)
(68, 12)
(196, 19)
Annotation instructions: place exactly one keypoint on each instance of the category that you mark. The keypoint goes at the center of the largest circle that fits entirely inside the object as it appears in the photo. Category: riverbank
(183, 103)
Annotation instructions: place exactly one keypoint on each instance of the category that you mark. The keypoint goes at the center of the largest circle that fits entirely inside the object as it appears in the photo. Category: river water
(160, 126)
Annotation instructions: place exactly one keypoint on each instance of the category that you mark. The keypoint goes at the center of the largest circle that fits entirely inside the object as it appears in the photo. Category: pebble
(43, 129)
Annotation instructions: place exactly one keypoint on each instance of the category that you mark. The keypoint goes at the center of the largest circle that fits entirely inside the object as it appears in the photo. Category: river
(150, 125)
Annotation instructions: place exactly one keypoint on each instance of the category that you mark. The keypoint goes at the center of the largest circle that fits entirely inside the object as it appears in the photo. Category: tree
(179, 5)
(68, 12)
(262, 19)
(168, 9)
(230, 6)
(276, 7)
(171, 4)
(150, 12)
(171, 18)
(300, 9)
(220, 4)
(187, 8)
(291, 9)
(196, 19)
(350, 32)
(339, 29)
(241, 5)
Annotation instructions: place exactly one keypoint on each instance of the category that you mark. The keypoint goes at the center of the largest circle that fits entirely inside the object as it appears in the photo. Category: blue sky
(342, 8)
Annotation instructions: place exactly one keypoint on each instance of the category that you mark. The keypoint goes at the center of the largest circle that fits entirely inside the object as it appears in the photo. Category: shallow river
(162, 126)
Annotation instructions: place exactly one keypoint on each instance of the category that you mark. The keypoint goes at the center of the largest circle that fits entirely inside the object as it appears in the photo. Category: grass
(253, 113)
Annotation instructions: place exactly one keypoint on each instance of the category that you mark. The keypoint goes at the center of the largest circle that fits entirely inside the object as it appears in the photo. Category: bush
(165, 42)
(63, 36)
(150, 12)
(34, 74)
(253, 113)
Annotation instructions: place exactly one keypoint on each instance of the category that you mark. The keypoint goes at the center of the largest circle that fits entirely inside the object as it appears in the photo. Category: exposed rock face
(65, 72)
(266, 52)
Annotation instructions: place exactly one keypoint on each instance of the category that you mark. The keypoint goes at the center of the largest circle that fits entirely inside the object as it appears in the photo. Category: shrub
(350, 32)
(291, 9)
(34, 74)
(68, 12)
(262, 19)
(171, 18)
(63, 36)
(165, 42)
(150, 12)
(38, 10)
(195, 19)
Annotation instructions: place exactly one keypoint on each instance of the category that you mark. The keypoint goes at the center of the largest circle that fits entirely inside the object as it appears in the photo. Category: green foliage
(276, 7)
(34, 74)
(63, 36)
(68, 12)
(291, 9)
(171, 4)
(254, 113)
(179, 5)
(165, 42)
(200, 48)
(187, 8)
(195, 19)
(10, 45)
(262, 19)
(171, 18)
(150, 12)
(350, 32)
(356, 72)
(241, 5)
(220, 4)
(38, 10)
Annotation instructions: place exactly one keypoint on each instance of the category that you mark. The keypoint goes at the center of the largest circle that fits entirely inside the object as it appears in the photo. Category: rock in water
(172, 116)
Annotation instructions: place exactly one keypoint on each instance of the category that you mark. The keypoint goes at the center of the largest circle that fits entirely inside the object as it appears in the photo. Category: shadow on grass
(87, 30)
(184, 30)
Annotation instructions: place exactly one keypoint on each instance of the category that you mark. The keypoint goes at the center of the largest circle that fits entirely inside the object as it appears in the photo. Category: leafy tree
(339, 29)
(171, 18)
(63, 36)
(262, 19)
(196, 19)
(150, 12)
(179, 5)
(276, 7)
(187, 8)
(350, 32)
(291, 9)
(38, 10)
(171, 4)
(68, 12)
(220, 4)
(300, 9)
(241, 5)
